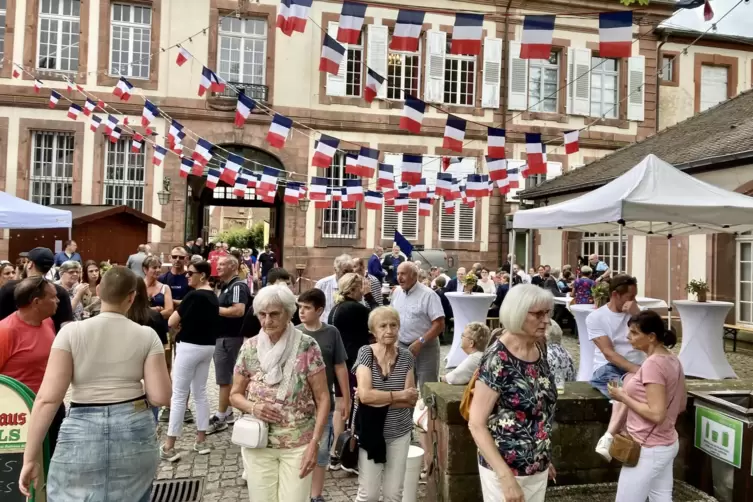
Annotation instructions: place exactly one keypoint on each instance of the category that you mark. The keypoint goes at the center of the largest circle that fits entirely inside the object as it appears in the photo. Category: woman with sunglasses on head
(196, 317)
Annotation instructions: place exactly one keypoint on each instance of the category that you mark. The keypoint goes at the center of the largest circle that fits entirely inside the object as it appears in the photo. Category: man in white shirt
(438, 272)
(343, 265)
(614, 356)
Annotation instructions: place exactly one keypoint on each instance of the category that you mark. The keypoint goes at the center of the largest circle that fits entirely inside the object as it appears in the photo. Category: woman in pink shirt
(655, 396)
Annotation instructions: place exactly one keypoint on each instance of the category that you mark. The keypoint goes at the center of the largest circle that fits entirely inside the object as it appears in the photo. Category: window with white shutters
(517, 76)
(436, 42)
(461, 225)
(349, 78)
(405, 222)
(492, 73)
(713, 85)
(124, 175)
(376, 56)
(51, 176)
(403, 73)
(636, 88)
(543, 83)
(130, 40)
(459, 78)
(58, 35)
(604, 94)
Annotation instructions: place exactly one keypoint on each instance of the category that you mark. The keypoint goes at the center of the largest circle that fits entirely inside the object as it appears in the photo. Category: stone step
(683, 492)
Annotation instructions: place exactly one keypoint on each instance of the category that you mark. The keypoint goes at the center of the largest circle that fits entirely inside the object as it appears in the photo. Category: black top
(234, 291)
(502, 290)
(158, 324)
(351, 318)
(445, 303)
(267, 260)
(199, 314)
(537, 280)
(63, 314)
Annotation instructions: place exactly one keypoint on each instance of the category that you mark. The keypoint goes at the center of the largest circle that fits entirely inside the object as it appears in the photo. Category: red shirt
(214, 258)
(24, 350)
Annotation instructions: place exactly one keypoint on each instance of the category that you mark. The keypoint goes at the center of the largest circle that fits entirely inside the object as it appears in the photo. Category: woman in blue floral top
(512, 411)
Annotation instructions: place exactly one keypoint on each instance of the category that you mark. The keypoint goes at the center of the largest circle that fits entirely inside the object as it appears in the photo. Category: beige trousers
(273, 475)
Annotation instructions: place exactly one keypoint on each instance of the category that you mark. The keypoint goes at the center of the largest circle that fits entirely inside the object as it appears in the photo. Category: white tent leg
(619, 250)
(513, 258)
(669, 281)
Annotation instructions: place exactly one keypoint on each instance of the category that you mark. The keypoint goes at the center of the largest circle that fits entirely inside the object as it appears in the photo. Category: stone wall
(581, 418)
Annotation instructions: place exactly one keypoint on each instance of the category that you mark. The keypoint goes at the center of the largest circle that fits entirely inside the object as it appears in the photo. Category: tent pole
(513, 258)
(669, 281)
(619, 249)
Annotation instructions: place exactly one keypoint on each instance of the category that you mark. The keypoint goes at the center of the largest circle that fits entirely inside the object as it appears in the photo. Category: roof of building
(684, 32)
(723, 132)
(85, 213)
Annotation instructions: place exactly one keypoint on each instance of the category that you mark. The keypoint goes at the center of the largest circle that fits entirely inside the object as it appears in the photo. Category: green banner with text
(719, 435)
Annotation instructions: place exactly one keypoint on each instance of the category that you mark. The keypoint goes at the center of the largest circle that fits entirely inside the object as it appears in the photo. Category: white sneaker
(602, 447)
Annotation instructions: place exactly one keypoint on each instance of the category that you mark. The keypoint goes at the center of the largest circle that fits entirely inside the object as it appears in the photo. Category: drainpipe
(658, 77)
(505, 90)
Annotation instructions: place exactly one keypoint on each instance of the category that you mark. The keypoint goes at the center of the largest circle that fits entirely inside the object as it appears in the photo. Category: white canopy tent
(653, 198)
(22, 214)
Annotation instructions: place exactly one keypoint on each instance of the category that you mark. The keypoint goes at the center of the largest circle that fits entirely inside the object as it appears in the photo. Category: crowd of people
(135, 344)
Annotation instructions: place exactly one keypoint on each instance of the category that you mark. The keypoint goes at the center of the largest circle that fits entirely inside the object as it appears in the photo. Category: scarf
(272, 357)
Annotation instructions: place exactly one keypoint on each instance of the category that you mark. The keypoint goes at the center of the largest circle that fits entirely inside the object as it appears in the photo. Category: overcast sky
(739, 22)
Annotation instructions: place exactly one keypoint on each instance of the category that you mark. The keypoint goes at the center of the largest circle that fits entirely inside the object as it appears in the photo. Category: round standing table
(587, 348)
(466, 308)
(702, 353)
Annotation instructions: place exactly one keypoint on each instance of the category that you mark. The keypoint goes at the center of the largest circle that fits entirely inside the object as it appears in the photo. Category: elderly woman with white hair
(512, 412)
(560, 361)
(281, 357)
(70, 277)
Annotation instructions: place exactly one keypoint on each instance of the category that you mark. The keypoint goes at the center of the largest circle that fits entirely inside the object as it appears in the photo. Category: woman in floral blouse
(281, 472)
(512, 411)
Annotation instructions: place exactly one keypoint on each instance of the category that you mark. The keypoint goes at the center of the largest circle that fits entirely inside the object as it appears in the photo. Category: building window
(243, 50)
(3, 7)
(51, 176)
(354, 67)
(668, 68)
(130, 41)
(713, 85)
(459, 78)
(58, 35)
(403, 73)
(337, 222)
(606, 245)
(124, 175)
(461, 225)
(744, 296)
(535, 180)
(604, 79)
(543, 83)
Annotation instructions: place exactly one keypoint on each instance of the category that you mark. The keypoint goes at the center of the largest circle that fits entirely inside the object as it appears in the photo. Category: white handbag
(251, 432)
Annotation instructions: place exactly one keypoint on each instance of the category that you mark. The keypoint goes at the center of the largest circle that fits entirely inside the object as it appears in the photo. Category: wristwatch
(422, 340)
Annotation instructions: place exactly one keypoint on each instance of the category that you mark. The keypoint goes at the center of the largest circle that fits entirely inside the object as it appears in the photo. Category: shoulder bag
(465, 403)
(251, 432)
(347, 445)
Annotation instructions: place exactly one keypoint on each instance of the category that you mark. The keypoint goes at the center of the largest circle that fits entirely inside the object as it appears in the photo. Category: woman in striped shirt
(387, 394)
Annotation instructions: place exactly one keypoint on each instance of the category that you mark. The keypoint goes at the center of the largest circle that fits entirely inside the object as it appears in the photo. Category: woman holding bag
(655, 396)
(281, 370)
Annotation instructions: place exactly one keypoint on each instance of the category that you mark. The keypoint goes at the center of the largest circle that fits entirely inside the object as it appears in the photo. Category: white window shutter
(492, 72)
(436, 42)
(636, 88)
(409, 221)
(553, 169)
(570, 85)
(447, 224)
(518, 77)
(377, 53)
(390, 222)
(581, 86)
(466, 223)
(336, 83)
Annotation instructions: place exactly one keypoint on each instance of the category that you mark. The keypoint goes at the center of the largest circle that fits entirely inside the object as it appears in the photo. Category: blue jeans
(604, 375)
(322, 458)
(104, 452)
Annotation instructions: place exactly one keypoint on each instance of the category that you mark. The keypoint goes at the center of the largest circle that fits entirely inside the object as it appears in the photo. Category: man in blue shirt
(176, 277)
(375, 263)
(601, 269)
(68, 253)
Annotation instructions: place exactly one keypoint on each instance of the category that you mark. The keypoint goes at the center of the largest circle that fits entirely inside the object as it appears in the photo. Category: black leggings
(57, 421)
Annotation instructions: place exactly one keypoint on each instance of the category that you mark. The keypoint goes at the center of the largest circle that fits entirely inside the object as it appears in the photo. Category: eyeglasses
(541, 314)
(189, 273)
(178, 257)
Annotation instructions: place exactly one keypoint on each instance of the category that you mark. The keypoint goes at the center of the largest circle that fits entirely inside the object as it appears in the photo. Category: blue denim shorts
(104, 452)
(604, 375)
(322, 458)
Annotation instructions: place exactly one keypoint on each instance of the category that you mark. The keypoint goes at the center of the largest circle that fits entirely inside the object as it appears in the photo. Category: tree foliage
(243, 237)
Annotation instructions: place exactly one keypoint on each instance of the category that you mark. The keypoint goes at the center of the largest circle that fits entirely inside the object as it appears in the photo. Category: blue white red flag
(413, 114)
(466, 34)
(411, 168)
(534, 154)
(279, 130)
(407, 30)
(292, 15)
(615, 34)
(495, 140)
(326, 148)
(373, 82)
(213, 177)
(374, 200)
(149, 113)
(351, 22)
(209, 81)
(123, 89)
(386, 177)
(368, 159)
(159, 155)
(538, 32)
(243, 109)
(454, 134)
(332, 55)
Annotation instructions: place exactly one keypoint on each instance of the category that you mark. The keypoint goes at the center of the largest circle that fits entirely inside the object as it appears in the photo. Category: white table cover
(587, 347)
(702, 352)
(466, 308)
(649, 303)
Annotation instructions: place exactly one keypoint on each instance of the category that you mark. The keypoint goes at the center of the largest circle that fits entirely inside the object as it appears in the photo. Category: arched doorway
(209, 212)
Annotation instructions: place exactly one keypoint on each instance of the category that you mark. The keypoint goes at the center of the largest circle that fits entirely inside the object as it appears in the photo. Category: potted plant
(600, 293)
(469, 282)
(699, 288)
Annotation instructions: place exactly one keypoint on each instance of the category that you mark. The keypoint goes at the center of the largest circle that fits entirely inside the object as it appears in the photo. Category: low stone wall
(581, 418)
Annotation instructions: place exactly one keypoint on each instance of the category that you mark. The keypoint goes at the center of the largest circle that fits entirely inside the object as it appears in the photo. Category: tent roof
(653, 197)
(84, 213)
(23, 214)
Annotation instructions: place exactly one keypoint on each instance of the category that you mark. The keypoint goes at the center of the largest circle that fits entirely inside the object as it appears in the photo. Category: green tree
(243, 237)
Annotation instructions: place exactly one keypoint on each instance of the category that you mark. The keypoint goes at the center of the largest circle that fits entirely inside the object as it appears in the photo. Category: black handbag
(346, 446)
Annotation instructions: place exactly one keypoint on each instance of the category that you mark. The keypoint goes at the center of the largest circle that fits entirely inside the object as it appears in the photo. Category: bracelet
(392, 400)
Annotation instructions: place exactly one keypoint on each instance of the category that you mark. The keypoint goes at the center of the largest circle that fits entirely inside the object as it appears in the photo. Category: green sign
(719, 435)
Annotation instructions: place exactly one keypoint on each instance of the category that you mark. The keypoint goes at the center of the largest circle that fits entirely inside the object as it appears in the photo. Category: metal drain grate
(178, 490)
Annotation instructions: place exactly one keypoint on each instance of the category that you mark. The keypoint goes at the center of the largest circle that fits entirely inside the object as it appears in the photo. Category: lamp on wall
(304, 204)
(163, 196)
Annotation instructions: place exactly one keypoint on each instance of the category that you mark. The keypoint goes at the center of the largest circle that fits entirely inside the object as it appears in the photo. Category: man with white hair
(343, 265)
(600, 268)
(375, 263)
(457, 284)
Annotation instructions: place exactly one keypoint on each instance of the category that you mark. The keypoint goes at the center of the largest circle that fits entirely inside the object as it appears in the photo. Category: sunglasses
(178, 257)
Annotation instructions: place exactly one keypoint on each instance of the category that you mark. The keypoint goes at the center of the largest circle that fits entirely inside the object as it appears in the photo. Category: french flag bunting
(279, 130)
(374, 200)
(454, 134)
(173, 134)
(253, 179)
(386, 177)
(137, 142)
(268, 182)
(374, 82)
(477, 186)
(326, 148)
(444, 185)
(203, 152)
(504, 186)
(571, 142)
(110, 124)
(424, 207)
(243, 109)
(335, 193)
(389, 195)
(241, 183)
(89, 107)
(513, 176)
(115, 134)
(69, 86)
(232, 168)
(209, 81)
(455, 192)
(54, 98)
(292, 192)
(413, 114)
(94, 123)
(449, 161)
(38, 85)
(466, 34)
(268, 197)
(332, 55)
(407, 30)
(354, 190)
(351, 164)
(318, 188)
(123, 89)
(351, 22)
(368, 159)
(178, 146)
(74, 111)
(213, 177)
(411, 168)
(538, 32)
(183, 56)
(449, 206)
(495, 143)
(535, 154)
(292, 15)
(186, 166)
(497, 168)
(401, 203)
(16, 73)
(149, 113)
(615, 34)
(159, 155)
(419, 190)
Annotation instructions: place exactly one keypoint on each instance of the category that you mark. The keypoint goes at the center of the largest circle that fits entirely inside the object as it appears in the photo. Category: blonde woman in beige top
(116, 368)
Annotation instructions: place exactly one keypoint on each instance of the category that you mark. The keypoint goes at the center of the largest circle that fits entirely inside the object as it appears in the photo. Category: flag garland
(232, 168)
(351, 22)
(454, 134)
(74, 111)
(54, 98)
(137, 141)
(386, 177)
(534, 155)
(571, 142)
(279, 130)
(407, 30)
(325, 149)
(467, 33)
(332, 55)
(495, 143)
(411, 168)
(159, 155)
(373, 200)
(89, 106)
(209, 81)
(243, 109)
(123, 89)
(149, 113)
(94, 123)
(183, 56)
(538, 34)
(615, 34)
(292, 15)
(213, 177)
(413, 114)
(368, 159)
(203, 152)
(374, 82)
